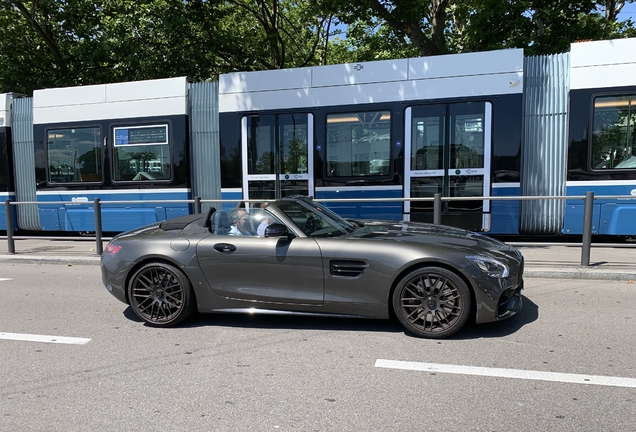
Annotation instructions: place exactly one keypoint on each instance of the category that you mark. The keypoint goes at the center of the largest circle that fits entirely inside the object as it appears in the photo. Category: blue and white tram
(466, 125)
(385, 129)
(602, 135)
(487, 124)
(116, 142)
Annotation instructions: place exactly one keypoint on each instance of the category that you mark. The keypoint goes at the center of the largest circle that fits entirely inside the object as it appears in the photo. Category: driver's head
(238, 217)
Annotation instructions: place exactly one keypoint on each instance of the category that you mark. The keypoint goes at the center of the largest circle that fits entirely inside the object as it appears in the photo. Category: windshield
(315, 220)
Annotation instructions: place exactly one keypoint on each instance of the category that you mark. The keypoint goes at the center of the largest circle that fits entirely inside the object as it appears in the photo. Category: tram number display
(141, 135)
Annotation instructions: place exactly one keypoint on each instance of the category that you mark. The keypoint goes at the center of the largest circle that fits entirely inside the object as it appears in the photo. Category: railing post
(587, 229)
(10, 240)
(197, 205)
(437, 209)
(99, 246)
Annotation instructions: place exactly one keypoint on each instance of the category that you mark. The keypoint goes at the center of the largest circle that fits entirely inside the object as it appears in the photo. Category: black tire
(161, 295)
(432, 302)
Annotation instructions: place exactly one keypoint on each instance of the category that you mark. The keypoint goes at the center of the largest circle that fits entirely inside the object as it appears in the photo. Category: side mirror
(277, 230)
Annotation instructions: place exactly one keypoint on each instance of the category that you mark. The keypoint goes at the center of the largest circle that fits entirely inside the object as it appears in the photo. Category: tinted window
(283, 136)
(4, 160)
(141, 153)
(359, 144)
(74, 155)
(613, 133)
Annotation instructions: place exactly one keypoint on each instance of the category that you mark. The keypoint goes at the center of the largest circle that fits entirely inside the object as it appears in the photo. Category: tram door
(277, 157)
(448, 148)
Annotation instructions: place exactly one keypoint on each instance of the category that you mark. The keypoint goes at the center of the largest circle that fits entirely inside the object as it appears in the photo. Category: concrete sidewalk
(542, 261)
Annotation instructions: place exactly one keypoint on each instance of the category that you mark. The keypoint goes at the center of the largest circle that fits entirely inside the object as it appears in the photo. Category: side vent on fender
(347, 268)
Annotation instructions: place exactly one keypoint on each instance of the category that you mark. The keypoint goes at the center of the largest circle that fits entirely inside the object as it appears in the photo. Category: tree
(538, 26)
(53, 43)
(442, 26)
(38, 40)
(422, 24)
(276, 34)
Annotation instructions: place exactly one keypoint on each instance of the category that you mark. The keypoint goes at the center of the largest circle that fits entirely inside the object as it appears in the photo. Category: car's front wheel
(161, 295)
(432, 302)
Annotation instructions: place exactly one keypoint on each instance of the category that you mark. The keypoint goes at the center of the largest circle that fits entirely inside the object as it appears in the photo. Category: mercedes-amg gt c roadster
(309, 260)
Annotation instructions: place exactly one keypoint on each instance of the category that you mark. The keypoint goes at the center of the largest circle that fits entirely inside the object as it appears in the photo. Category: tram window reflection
(141, 153)
(74, 155)
(359, 144)
(614, 134)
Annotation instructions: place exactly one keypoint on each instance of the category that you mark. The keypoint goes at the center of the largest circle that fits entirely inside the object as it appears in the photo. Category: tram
(116, 142)
(486, 124)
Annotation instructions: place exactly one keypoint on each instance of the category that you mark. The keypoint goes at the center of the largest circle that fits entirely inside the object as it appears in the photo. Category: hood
(440, 235)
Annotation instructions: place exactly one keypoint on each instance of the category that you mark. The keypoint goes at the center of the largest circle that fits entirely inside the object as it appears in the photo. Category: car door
(263, 269)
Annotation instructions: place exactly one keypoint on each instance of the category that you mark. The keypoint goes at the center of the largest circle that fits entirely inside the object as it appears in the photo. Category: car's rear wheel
(432, 302)
(161, 295)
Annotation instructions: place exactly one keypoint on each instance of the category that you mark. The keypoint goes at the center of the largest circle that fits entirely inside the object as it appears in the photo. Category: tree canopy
(56, 43)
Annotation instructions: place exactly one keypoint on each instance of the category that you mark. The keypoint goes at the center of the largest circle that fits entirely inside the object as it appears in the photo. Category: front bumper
(510, 302)
(498, 299)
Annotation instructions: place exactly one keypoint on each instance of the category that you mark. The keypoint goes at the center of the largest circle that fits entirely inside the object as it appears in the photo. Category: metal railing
(437, 200)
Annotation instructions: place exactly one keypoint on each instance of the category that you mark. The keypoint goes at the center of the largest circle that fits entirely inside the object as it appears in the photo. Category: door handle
(224, 247)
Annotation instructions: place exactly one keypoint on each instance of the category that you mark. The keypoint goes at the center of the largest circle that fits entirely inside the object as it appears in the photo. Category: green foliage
(398, 28)
(55, 43)
(367, 41)
(414, 25)
(50, 43)
(539, 26)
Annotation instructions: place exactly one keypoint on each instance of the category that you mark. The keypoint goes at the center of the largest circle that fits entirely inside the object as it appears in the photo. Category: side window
(260, 220)
(613, 133)
(359, 144)
(428, 135)
(141, 153)
(239, 222)
(74, 155)
(313, 224)
(4, 161)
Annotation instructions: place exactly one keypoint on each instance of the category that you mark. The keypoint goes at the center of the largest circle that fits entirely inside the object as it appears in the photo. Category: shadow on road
(528, 314)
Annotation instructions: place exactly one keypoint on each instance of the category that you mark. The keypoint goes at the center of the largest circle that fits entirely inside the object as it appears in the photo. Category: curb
(581, 273)
(17, 259)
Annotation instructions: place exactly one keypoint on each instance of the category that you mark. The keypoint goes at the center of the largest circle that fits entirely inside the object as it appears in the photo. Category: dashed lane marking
(5, 279)
(508, 373)
(44, 338)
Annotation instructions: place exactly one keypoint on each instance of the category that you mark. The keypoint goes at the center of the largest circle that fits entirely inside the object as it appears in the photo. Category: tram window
(4, 162)
(74, 155)
(359, 144)
(467, 148)
(428, 143)
(613, 136)
(293, 144)
(141, 153)
(284, 135)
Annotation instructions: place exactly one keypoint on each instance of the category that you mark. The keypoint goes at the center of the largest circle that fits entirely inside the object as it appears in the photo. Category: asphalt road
(275, 373)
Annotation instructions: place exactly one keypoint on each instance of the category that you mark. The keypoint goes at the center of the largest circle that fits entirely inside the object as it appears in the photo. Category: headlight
(489, 266)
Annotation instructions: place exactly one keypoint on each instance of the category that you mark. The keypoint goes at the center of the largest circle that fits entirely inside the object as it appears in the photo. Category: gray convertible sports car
(310, 260)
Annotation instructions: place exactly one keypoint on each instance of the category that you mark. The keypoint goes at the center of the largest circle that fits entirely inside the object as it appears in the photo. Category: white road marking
(44, 338)
(5, 279)
(508, 373)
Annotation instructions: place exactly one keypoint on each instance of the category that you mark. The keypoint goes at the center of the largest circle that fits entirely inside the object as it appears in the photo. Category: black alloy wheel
(161, 295)
(432, 302)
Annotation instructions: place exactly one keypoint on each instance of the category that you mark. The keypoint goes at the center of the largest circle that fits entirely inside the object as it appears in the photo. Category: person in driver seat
(238, 218)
